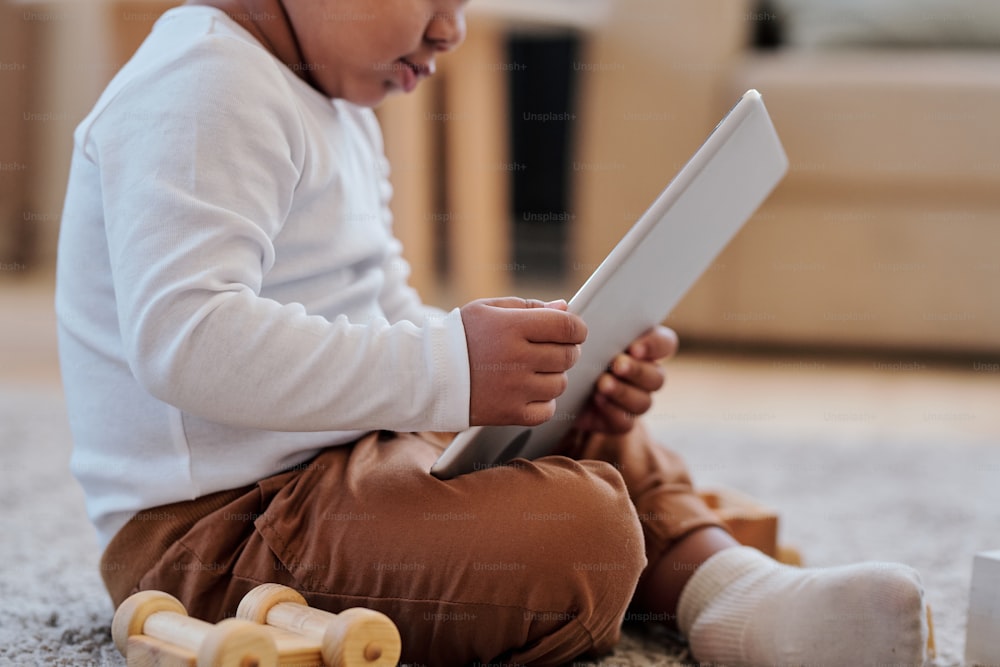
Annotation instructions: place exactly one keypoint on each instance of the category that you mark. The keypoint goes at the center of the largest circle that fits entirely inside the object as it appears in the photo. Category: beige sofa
(886, 231)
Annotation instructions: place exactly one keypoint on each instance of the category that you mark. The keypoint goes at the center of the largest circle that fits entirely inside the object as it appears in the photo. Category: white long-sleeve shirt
(230, 297)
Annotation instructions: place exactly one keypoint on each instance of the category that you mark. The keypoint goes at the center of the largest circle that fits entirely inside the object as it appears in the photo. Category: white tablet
(647, 274)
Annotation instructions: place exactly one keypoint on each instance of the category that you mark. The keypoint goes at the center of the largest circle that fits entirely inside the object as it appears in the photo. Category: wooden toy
(931, 644)
(152, 629)
(982, 632)
(274, 628)
(751, 523)
(353, 638)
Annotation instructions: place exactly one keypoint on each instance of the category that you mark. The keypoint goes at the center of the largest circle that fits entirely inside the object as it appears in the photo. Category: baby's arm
(518, 349)
(198, 185)
(399, 301)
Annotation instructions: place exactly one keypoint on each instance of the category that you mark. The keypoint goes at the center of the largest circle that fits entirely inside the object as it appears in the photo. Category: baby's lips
(421, 69)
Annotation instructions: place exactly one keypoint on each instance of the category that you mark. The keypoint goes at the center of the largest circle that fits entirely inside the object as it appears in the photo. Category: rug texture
(932, 504)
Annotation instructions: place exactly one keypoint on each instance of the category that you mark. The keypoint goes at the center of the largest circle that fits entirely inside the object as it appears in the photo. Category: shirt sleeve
(199, 164)
(398, 299)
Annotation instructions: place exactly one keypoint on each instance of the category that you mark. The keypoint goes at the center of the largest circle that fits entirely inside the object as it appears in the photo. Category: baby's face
(362, 50)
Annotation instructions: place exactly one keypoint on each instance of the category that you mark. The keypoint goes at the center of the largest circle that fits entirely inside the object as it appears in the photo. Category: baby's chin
(373, 99)
(365, 94)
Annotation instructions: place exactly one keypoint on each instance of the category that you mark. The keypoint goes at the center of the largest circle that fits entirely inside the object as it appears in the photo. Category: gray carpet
(932, 504)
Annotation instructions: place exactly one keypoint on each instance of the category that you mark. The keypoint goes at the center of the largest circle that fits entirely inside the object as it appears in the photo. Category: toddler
(256, 395)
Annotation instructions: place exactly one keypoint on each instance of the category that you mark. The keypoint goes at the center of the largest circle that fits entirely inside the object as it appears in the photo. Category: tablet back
(647, 273)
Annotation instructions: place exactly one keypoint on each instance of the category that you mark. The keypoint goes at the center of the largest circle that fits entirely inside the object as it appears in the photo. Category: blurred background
(840, 359)
(546, 135)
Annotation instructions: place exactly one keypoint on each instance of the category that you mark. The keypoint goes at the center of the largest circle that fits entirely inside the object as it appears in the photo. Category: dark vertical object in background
(767, 32)
(442, 221)
(19, 50)
(542, 77)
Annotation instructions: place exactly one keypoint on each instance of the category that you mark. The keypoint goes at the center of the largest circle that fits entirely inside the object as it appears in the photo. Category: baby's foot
(743, 609)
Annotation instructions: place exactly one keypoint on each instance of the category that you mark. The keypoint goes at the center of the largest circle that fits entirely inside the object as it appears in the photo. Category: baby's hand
(519, 352)
(626, 390)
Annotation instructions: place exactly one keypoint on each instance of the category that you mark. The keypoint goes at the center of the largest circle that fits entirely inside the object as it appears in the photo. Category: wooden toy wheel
(237, 643)
(132, 614)
(255, 604)
(361, 637)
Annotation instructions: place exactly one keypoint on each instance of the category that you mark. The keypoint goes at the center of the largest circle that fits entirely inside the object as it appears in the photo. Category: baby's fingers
(625, 397)
(645, 375)
(657, 344)
(609, 417)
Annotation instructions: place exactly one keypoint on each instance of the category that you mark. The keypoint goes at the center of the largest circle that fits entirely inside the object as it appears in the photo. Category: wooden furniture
(432, 146)
(17, 228)
(449, 147)
(882, 236)
(56, 56)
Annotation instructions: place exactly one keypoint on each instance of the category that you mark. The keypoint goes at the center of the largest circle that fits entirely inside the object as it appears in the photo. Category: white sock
(743, 609)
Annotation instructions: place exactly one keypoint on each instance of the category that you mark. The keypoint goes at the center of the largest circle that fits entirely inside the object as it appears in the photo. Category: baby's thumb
(558, 304)
(518, 302)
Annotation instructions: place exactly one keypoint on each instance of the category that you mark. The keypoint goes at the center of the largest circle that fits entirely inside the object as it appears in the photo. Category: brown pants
(533, 563)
